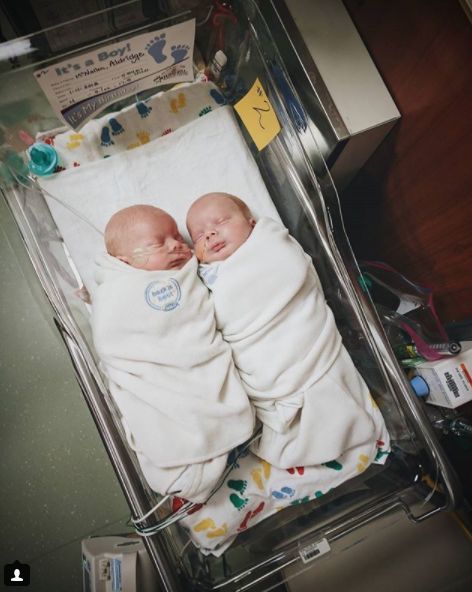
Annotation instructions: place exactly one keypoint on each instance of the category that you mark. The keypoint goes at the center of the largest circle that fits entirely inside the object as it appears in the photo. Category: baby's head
(146, 237)
(218, 223)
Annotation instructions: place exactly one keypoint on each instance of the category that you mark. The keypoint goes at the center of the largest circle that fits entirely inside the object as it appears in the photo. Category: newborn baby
(270, 307)
(171, 374)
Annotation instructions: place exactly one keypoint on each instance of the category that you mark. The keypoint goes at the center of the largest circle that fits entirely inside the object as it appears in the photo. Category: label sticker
(163, 294)
(258, 116)
(79, 88)
(314, 550)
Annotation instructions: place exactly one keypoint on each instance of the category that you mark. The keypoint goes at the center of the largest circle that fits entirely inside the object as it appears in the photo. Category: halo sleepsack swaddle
(171, 374)
(270, 307)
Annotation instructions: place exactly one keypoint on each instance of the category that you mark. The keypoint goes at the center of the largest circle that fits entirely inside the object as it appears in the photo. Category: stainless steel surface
(326, 123)
(350, 110)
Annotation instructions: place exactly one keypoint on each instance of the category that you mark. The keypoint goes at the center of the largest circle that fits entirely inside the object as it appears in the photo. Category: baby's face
(218, 227)
(155, 243)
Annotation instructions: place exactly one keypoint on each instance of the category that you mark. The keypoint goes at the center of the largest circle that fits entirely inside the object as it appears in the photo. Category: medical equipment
(417, 478)
(117, 563)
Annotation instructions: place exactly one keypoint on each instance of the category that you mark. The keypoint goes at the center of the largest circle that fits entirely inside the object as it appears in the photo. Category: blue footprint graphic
(105, 137)
(143, 109)
(284, 493)
(205, 110)
(217, 97)
(234, 456)
(179, 52)
(155, 48)
(116, 127)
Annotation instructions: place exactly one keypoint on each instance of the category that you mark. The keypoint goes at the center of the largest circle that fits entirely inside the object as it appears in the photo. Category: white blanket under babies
(270, 307)
(171, 374)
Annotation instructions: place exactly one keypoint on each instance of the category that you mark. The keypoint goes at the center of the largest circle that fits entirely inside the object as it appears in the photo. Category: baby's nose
(173, 244)
(209, 234)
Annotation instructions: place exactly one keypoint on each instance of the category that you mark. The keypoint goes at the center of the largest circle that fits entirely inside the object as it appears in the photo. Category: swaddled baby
(171, 374)
(270, 307)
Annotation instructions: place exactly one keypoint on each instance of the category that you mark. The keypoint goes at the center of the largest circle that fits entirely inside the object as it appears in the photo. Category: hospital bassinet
(417, 477)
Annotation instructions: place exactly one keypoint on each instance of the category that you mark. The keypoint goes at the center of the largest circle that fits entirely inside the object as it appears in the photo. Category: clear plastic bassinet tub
(416, 477)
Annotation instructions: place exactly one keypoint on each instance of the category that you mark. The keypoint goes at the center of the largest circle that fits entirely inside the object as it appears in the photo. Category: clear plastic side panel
(416, 476)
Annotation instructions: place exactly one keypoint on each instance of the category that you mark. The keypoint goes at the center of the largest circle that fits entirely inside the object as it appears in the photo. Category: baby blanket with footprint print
(254, 490)
(136, 125)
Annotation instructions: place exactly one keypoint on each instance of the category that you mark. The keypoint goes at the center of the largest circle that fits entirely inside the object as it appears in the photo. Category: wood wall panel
(411, 204)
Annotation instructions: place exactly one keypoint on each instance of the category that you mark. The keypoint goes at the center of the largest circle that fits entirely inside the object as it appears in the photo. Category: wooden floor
(411, 205)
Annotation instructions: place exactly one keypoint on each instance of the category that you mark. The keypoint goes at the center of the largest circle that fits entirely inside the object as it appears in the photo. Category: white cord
(145, 534)
(57, 199)
(185, 546)
(158, 505)
(149, 531)
(67, 206)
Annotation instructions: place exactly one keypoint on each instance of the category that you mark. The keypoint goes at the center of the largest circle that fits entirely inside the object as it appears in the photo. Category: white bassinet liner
(171, 171)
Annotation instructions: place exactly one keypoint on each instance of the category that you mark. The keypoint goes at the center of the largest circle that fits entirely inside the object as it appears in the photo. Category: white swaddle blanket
(271, 309)
(170, 372)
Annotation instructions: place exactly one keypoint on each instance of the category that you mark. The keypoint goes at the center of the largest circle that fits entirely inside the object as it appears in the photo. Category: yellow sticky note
(258, 115)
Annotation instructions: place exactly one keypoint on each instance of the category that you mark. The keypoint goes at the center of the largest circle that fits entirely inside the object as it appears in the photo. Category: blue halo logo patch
(163, 294)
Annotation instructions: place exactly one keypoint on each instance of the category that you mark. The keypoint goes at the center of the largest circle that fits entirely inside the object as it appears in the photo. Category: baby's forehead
(160, 221)
(148, 225)
(165, 219)
(216, 202)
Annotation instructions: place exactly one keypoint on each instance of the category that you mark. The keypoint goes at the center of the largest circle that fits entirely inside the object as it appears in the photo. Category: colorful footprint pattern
(256, 496)
(125, 131)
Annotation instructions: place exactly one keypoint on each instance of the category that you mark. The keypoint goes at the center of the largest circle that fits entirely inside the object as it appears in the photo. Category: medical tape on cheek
(141, 255)
(140, 258)
(200, 250)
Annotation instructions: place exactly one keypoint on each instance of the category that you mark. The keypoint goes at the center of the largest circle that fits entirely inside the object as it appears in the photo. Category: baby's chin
(179, 263)
(214, 257)
(211, 257)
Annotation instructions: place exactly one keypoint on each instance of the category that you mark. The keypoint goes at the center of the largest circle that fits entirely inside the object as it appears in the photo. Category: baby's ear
(252, 222)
